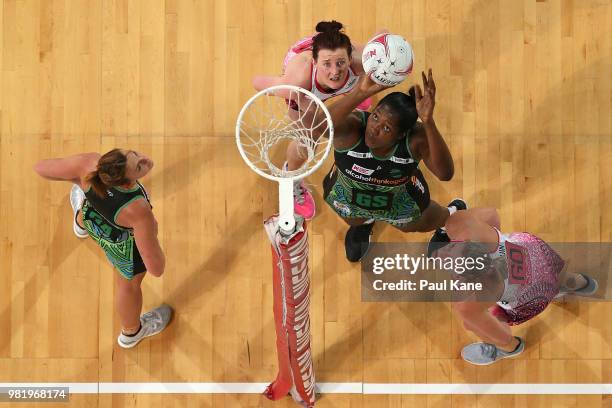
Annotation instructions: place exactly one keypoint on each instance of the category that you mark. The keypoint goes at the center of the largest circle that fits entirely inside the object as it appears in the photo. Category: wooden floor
(524, 101)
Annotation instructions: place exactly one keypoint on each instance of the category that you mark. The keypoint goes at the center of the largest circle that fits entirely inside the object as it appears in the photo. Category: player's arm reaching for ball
(432, 149)
(346, 123)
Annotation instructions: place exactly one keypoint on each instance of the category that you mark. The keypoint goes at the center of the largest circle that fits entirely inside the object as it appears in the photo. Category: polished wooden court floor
(524, 102)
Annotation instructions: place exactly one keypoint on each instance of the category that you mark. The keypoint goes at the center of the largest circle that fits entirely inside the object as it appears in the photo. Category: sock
(452, 209)
(133, 334)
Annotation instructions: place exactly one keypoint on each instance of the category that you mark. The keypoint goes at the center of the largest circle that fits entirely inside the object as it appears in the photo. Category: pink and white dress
(305, 44)
(533, 276)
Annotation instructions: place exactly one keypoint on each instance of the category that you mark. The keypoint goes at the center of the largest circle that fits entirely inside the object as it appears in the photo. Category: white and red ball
(388, 59)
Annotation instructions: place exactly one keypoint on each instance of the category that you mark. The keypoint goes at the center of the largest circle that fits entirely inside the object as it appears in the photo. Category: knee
(457, 223)
(129, 287)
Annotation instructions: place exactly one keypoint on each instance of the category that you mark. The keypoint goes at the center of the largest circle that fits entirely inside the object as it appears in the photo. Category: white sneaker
(77, 196)
(151, 323)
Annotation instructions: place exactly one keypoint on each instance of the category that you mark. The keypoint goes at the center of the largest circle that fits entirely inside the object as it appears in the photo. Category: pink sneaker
(303, 203)
(365, 104)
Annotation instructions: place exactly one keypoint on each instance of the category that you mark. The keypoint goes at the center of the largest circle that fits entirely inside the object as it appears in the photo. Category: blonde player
(116, 213)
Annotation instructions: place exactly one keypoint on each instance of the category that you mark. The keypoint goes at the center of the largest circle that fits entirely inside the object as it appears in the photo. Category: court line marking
(325, 388)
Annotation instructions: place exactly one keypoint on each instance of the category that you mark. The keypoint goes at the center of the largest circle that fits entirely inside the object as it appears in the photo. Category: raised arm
(434, 151)
(340, 112)
(346, 123)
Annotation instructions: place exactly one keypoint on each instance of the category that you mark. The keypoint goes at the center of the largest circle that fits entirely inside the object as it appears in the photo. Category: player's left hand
(426, 100)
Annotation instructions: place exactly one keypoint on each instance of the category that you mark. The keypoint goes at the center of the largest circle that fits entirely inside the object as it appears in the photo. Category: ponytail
(110, 172)
(97, 184)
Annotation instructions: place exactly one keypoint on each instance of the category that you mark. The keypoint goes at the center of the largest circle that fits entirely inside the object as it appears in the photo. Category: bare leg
(474, 225)
(296, 155)
(129, 302)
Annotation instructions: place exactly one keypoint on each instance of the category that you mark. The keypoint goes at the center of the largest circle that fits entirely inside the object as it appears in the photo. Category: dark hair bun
(325, 26)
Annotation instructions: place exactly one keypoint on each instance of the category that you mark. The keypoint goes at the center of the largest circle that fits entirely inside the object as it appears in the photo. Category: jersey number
(517, 263)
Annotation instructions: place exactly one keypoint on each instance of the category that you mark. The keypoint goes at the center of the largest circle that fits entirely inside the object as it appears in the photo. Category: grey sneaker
(485, 353)
(77, 196)
(151, 323)
(587, 291)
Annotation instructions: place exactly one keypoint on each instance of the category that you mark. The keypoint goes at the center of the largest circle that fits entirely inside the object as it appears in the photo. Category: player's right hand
(368, 87)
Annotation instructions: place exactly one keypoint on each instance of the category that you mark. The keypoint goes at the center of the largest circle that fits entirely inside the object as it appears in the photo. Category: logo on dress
(417, 183)
(362, 170)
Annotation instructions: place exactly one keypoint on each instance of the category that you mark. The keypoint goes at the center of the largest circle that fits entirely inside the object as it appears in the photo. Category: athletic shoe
(76, 202)
(438, 240)
(484, 353)
(365, 104)
(357, 241)
(151, 323)
(303, 203)
(587, 291)
(459, 204)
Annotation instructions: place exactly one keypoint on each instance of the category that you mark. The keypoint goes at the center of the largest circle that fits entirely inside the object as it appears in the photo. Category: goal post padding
(291, 283)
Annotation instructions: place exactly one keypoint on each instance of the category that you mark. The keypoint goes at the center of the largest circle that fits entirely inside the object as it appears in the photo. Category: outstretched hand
(367, 86)
(426, 100)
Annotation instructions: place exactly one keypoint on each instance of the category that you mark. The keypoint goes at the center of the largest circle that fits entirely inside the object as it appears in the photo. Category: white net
(267, 124)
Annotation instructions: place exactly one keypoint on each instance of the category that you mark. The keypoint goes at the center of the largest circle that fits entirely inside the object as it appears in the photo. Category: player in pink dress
(523, 273)
(326, 64)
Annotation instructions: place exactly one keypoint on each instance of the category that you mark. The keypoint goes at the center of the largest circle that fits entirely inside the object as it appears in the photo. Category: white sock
(452, 209)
